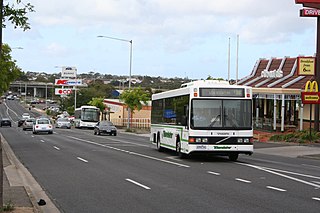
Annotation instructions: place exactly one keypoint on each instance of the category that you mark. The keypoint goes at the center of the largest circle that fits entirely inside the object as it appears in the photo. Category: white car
(63, 123)
(42, 125)
(25, 115)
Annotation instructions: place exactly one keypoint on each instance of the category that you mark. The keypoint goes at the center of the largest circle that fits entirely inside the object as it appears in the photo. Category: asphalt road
(82, 172)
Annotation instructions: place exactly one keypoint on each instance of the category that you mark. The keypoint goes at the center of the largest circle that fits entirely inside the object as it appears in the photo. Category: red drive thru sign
(309, 12)
(60, 91)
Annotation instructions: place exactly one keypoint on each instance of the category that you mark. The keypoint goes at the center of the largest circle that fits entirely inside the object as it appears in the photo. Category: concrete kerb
(18, 175)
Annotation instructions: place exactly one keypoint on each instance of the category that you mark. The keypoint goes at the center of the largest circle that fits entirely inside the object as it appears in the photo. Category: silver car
(63, 123)
(28, 124)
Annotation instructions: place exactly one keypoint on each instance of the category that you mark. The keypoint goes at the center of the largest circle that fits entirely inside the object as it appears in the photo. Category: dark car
(5, 122)
(105, 127)
(21, 121)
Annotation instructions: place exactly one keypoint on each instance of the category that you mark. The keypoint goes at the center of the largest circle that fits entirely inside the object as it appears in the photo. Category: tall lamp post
(130, 67)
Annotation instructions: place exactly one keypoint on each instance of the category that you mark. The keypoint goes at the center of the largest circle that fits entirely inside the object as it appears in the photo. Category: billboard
(68, 82)
(69, 72)
(306, 65)
(62, 91)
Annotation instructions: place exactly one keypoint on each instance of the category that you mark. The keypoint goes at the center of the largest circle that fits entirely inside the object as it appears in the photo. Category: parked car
(5, 122)
(25, 115)
(42, 125)
(105, 127)
(63, 123)
(21, 121)
(28, 124)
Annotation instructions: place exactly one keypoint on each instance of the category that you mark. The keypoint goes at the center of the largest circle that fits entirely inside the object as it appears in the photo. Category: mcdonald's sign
(311, 94)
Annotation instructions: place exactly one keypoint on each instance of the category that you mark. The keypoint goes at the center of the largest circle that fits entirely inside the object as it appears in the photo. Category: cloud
(178, 22)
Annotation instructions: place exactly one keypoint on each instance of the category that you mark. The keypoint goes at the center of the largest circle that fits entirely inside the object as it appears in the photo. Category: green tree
(134, 98)
(16, 13)
(9, 71)
(98, 102)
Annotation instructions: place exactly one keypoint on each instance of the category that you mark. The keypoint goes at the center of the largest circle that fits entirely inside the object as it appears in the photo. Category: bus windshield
(221, 114)
(90, 115)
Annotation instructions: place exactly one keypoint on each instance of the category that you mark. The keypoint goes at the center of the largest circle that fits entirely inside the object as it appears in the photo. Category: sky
(170, 38)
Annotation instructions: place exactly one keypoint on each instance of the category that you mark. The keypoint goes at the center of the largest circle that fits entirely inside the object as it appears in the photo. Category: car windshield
(30, 120)
(43, 121)
(106, 123)
(63, 119)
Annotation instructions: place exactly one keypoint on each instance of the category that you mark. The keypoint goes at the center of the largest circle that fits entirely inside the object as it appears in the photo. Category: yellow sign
(306, 65)
(313, 86)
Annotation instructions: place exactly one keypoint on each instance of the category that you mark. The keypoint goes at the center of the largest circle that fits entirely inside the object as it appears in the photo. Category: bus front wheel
(233, 156)
(178, 149)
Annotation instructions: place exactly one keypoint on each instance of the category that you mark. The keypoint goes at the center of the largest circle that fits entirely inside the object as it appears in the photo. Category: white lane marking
(310, 165)
(214, 173)
(42, 141)
(84, 160)
(57, 148)
(138, 184)
(131, 153)
(277, 189)
(316, 198)
(243, 180)
(279, 174)
(31, 135)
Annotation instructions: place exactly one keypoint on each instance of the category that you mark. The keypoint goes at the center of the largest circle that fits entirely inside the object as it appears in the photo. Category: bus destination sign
(222, 92)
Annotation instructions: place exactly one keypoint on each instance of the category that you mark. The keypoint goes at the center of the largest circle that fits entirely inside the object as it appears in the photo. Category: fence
(142, 123)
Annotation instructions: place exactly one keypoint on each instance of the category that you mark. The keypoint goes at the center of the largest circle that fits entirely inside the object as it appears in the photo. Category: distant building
(118, 114)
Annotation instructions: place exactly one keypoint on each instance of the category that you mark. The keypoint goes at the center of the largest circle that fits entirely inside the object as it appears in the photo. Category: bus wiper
(214, 121)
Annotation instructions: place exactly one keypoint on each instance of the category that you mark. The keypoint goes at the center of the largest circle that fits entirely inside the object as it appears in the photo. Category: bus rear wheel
(233, 156)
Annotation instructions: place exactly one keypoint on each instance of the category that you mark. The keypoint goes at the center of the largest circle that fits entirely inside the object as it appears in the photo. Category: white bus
(205, 116)
(86, 116)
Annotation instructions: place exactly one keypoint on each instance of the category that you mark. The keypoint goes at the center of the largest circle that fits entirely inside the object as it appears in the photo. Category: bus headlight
(205, 140)
(240, 140)
(246, 140)
(198, 140)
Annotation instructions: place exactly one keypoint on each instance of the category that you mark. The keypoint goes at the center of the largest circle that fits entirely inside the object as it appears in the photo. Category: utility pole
(1, 160)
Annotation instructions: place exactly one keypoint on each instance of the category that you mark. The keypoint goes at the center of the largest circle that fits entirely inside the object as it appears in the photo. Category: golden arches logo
(313, 86)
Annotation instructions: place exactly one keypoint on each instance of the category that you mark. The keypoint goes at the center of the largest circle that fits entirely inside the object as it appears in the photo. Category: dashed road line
(42, 141)
(243, 180)
(131, 153)
(276, 172)
(316, 198)
(138, 184)
(83, 160)
(277, 189)
(214, 173)
(57, 148)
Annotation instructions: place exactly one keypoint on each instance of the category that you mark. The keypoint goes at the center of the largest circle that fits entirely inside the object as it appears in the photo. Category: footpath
(20, 189)
(23, 192)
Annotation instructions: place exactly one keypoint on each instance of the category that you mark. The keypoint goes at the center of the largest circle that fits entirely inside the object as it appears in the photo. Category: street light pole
(130, 68)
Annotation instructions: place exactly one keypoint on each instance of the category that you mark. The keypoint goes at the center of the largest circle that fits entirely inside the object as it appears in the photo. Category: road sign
(60, 91)
(68, 82)
(310, 94)
(307, 12)
(69, 72)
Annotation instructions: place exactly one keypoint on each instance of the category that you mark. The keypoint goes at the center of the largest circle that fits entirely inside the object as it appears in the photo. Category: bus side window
(185, 117)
